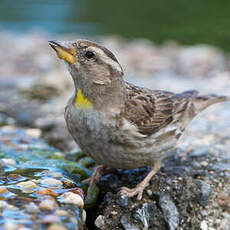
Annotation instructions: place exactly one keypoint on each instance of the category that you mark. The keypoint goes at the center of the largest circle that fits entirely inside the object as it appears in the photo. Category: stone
(48, 203)
(71, 198)
(3, 189)
(100, 222)
(34, 132)
(170, 212)
(56, 227)
(204, 225)
(32, 208)
(47, 191)
(204, 192)
(122, 201)
(145, 213)
(27, 186)
(51, 182)
(127, 225)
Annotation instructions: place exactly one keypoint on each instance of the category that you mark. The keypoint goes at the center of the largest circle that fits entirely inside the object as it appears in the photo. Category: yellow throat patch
(81, 101)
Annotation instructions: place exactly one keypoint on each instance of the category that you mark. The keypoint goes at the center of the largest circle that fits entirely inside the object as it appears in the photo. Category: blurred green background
(186, 21)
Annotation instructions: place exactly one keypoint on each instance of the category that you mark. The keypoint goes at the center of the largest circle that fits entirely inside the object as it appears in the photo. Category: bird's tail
(202, 102)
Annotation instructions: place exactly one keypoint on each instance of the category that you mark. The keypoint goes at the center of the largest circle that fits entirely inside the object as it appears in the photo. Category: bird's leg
(97, 174)
(138, 190)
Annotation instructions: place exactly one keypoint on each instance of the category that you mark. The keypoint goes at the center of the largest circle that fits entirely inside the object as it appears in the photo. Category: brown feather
(152, 110)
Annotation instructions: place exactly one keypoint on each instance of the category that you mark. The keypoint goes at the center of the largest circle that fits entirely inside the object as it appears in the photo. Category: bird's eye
(89, 54)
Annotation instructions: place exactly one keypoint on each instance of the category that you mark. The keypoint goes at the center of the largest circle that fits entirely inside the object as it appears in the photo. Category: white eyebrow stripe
(105, 58)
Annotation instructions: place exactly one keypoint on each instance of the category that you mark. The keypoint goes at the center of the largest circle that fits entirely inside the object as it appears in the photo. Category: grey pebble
(170, 212)
(127, 225)
(123, 201)
(204, 192)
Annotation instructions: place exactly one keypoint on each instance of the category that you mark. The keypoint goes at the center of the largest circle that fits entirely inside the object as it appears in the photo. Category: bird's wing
(152, 110)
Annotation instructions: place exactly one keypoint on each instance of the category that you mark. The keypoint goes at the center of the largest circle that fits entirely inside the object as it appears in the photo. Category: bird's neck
(102, 98)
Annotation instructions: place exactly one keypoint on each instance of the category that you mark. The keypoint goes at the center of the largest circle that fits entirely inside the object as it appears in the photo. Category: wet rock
(47, 191)
(3, 189)
(34, 133)
(169, 211)
(56, 227)
(48, 203)
(71, 198)
(32, 208)
(50, 219)
(9, 161)
(32, 191)
(27, 186)
(51, 182)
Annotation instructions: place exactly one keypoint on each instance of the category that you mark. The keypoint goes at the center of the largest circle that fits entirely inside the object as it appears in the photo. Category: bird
(118, 124)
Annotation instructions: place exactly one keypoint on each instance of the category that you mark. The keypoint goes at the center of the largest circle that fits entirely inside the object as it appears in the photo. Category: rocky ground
(41, 167)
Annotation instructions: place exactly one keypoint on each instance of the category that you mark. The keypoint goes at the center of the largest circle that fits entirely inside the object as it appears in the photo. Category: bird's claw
(138, 190)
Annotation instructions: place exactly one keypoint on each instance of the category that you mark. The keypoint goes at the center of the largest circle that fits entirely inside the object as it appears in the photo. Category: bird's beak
(64, 52)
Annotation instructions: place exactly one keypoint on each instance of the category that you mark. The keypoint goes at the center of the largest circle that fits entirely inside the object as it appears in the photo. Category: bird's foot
(138, 190)
(97, 174)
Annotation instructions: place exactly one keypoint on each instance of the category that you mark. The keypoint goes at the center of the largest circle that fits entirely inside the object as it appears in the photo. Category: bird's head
(94, 69)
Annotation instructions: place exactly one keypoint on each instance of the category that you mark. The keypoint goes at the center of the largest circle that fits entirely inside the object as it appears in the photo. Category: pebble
(48, 203)
(36, 133)
(123, 201)
(61, 212)
(32, 208)
(3, 189)
(127, 225)
(47, 191)
(204, 225)
(170, 211)
(56, 227)
(9, 161)
(84, 215)
(145, 213)
(50, 219)
(204, 192)
(114, 213)
(10, 225)
(3, 204)
(51, 182)
(224, 201)
(71, 198)
(27, 186)
(100, 222)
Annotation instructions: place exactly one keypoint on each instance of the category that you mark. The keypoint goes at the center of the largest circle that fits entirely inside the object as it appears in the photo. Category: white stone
(100, 222)
(71, 198)
(9, 161)
(203, 225)
(51, 182)
(36, 133)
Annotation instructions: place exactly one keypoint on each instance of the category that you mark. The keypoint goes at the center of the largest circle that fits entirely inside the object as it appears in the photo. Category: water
(186, 21)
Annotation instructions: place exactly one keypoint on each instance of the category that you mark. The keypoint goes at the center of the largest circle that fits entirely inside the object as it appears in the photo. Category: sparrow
(118, 124)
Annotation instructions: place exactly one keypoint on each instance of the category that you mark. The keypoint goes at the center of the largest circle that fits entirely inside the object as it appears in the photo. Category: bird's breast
(117, 144)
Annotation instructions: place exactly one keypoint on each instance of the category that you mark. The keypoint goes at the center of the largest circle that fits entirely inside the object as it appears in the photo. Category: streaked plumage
(123, 126)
